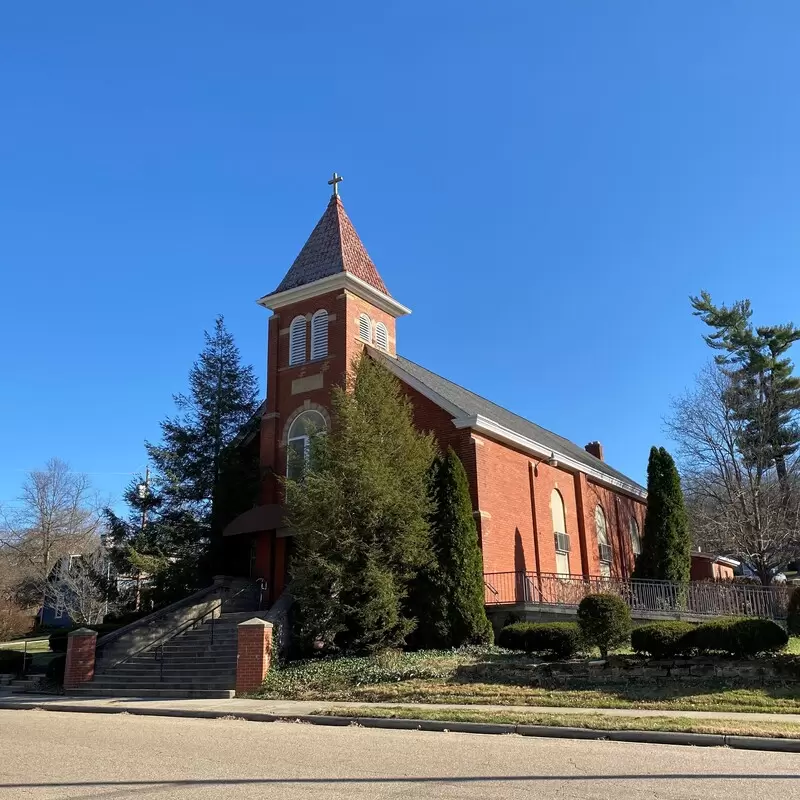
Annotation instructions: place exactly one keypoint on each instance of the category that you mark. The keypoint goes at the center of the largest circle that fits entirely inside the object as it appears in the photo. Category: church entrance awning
(268, 517)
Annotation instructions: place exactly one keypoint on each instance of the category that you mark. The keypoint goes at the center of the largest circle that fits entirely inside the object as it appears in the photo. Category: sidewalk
(290, 708)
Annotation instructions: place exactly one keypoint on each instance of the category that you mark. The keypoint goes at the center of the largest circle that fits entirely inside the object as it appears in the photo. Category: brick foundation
(79, 669)
(254, 654)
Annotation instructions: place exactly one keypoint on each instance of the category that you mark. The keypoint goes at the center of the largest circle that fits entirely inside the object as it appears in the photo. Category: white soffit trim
(492, 429)
(341, 280)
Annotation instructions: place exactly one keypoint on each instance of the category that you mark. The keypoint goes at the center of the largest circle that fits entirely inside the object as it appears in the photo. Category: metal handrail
(159, 649)
(178, 630)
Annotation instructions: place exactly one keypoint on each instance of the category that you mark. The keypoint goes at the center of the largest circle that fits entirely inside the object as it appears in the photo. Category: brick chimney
(596, 449)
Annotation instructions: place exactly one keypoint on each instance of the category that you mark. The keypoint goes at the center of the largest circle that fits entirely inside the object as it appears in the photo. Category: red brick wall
(500, 485)
(344, 344)
(619, 509)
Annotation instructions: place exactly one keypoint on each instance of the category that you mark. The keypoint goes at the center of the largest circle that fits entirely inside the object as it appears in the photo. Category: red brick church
(542, 504)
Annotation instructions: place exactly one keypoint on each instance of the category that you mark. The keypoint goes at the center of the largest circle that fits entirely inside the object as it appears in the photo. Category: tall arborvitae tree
(361, 516)
(666, 547)
(764, 393)
(450, 593)
(199, 475)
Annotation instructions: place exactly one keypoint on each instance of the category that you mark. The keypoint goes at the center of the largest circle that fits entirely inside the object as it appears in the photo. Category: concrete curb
(389, 723)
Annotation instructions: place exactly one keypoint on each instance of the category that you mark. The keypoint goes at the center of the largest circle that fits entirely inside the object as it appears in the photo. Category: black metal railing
(259, 589)
(702, 598)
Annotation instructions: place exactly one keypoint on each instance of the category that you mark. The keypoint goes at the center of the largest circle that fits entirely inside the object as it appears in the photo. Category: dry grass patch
(600, 722)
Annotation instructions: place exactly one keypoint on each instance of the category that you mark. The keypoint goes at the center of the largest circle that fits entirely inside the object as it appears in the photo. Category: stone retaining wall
(626, 669)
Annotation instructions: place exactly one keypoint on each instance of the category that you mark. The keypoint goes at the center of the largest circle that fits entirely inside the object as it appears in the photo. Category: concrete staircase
(199, 663)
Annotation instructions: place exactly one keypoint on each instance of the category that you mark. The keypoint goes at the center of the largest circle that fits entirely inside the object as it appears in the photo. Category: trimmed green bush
(662, 639)
(547, 639)
(12, 662)
(605, 621)
(738, 636)
(793, 613)
(55, 670)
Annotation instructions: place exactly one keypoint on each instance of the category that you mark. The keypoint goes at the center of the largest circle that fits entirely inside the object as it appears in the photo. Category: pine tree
(201, 479)
(221, 400)
(451, 590)
(360, 513)
(666, 546)
(764, 393)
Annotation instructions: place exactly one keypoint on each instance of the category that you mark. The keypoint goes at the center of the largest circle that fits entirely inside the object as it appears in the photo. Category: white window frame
(635, 536)
(319, 334)
(298, 330)
(296, 433)
(381, 336)
(365, 327)
(562, 556)
(603, 545)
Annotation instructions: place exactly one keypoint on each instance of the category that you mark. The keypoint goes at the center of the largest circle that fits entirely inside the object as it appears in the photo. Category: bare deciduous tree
(57, 517)
(79, 586)
(736, 503)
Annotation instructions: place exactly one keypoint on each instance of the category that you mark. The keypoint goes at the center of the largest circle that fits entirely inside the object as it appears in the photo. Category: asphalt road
(66, 755)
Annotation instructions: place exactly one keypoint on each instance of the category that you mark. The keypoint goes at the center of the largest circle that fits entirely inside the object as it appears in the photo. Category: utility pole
(144, 491)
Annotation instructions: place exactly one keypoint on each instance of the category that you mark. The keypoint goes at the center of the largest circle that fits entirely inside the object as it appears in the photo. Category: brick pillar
(254, 654)
(81, 645)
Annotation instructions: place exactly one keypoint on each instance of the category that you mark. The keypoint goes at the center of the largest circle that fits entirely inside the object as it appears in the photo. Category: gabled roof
(468, 406)
(333, 247)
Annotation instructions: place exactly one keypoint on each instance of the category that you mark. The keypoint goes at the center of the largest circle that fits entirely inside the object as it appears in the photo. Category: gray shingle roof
(472, 404)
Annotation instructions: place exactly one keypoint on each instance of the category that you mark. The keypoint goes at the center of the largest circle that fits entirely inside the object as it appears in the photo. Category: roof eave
(488, 427)
(341, 280)
(494, 430)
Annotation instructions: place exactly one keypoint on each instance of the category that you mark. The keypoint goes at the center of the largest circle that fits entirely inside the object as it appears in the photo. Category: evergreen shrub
(605, 621)
(547, 639)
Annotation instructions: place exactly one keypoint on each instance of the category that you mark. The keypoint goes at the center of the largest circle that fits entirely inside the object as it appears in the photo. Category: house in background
(54, 613)
(545, 507)
(708, 567)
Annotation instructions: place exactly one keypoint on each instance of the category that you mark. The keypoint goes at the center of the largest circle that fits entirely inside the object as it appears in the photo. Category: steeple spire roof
(333, 247)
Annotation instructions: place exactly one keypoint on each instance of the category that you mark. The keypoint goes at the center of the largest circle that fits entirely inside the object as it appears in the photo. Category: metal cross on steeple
(335, 181)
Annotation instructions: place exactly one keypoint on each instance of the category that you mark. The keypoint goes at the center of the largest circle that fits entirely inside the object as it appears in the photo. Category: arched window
(560, 535)
(298, 441)
(381, 336)
(319, 334)
(636, 539)
(364, 328)
(602, 541)
(297, 341)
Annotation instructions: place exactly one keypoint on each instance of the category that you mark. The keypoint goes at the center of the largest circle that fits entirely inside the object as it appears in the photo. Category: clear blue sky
(544, 184)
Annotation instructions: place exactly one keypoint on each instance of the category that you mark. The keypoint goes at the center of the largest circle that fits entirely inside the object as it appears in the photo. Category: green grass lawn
(38, 647)
(599, 722)
(498, 677)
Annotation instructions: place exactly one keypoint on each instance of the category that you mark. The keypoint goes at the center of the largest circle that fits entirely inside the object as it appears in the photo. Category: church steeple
(334, 259)
(334, 247)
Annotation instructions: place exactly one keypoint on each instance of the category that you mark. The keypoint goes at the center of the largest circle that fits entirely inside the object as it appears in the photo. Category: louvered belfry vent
(381, 336)
(297, 341)
(364, 328)
(319, 334)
